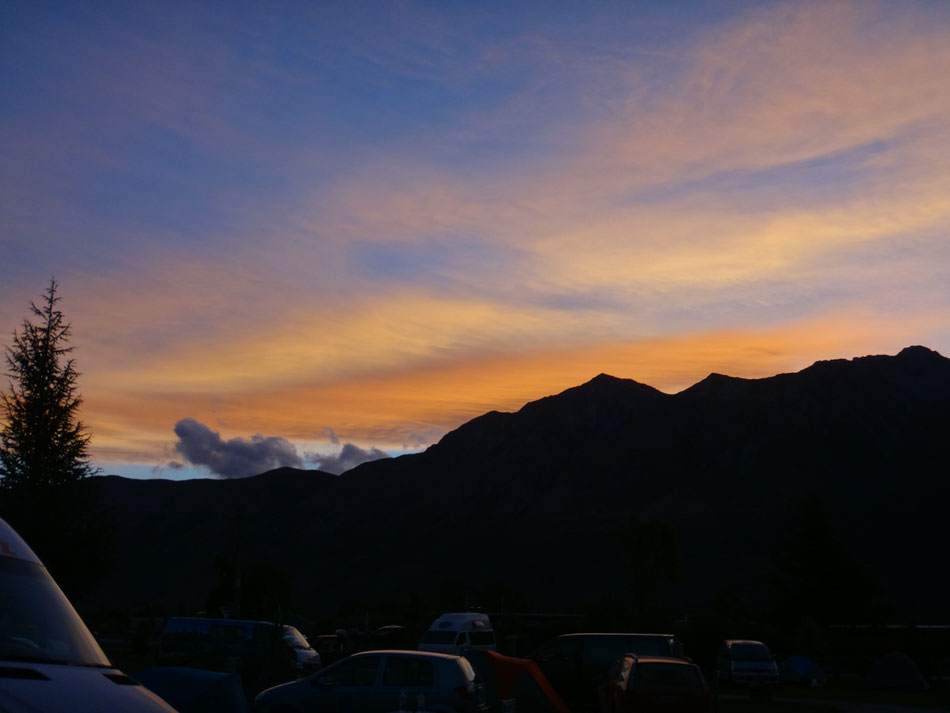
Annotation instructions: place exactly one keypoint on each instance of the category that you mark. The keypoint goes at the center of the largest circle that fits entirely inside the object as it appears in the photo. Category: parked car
(49, 660)
(576, 664)
(263, 653)
(458, 633)
(746, 662)
(381, 681)
(654, 684)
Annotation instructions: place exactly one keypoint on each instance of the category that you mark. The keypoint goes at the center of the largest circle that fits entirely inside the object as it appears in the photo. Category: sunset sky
(285, 228)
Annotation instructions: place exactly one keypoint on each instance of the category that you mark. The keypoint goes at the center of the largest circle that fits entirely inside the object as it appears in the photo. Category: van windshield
(37, 622)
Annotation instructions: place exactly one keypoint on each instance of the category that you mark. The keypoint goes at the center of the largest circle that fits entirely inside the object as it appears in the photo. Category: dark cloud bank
(241, 457)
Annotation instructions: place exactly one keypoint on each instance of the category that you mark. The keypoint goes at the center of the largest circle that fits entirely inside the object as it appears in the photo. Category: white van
(48, 659)
(459, 633)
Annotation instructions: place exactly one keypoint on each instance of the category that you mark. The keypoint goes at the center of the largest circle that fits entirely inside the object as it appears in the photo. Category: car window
(408, 671)
(460, 639)
(751, 652)
(564, 648)
(226, 633)
(37, 622)
(357, 671)
(648, 646)
(664, 675)
(175, 626)
(601, 651)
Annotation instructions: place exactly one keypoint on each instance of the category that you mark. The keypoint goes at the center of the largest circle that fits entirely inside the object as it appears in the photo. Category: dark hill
(526, 501)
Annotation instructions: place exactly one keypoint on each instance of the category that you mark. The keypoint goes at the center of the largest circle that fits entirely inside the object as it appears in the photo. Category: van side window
(227, 633)
(601, 651)
(648, 646)
(565, 648)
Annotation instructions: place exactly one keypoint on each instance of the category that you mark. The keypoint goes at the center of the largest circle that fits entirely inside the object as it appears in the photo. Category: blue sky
(379, 220)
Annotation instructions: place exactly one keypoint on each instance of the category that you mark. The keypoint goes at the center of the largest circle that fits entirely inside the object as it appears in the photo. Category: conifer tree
(42, 443)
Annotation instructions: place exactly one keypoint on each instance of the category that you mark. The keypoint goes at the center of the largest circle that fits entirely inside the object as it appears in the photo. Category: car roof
(407, 652)
(221, 620)
(730, 642)
(615, 633)
(660, 659)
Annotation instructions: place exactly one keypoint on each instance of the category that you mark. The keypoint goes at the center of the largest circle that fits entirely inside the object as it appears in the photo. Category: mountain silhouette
(527, 501)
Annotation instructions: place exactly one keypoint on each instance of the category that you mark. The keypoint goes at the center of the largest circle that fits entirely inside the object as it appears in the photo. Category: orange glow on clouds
(413, 407)
(648, 194)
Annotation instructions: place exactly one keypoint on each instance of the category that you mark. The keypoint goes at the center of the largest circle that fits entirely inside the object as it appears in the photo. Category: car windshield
(751, 652)
(37, 622)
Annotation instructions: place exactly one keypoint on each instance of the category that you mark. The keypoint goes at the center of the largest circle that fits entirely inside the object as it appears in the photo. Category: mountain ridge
(536, 492)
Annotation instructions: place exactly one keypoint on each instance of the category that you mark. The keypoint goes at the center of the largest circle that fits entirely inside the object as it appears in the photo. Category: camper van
(459, 633)
(49, 660)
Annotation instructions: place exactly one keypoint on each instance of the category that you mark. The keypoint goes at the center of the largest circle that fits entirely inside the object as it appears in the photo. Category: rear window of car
(438, 637)
(650, 676)
(751, 652)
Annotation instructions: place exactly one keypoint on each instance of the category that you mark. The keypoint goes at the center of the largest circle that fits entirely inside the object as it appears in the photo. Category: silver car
(381, 681)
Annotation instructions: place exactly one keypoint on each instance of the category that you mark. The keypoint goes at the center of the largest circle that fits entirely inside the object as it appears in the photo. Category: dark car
(654, 684)
(379, 682)
(576, 664)
(262, 653)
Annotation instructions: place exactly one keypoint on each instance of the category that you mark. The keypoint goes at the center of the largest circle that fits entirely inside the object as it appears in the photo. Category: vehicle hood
(53, 688)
